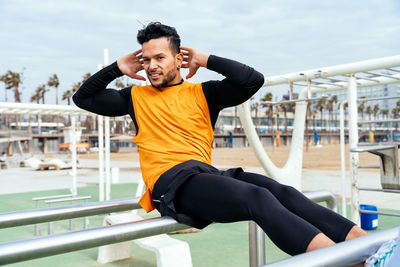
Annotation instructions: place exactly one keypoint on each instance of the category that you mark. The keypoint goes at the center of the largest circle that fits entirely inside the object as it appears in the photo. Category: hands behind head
(193, 60)
(131, 64)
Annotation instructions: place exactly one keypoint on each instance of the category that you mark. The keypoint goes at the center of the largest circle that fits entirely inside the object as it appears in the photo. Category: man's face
(160, 63)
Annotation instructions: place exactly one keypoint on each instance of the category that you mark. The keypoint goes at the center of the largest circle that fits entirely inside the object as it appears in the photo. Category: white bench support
(170, 252)
(389, 159)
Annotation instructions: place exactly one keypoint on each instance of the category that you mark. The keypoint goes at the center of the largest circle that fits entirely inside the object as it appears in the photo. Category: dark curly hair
(156, 30)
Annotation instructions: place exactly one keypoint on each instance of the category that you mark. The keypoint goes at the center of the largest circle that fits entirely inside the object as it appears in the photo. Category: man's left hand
(193, 60)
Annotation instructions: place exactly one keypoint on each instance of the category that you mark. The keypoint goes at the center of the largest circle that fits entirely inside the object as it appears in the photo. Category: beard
(170, 76)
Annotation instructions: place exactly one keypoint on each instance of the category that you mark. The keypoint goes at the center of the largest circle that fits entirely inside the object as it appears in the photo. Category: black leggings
(289, 218)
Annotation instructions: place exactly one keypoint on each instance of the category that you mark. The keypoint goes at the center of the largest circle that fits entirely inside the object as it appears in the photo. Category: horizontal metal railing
(379, 190)
(22, 250)
(324, 196)
(19, 218)
(395, 214)
(342, 254)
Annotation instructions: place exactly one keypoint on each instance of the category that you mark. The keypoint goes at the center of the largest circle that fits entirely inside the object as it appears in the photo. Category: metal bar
(377, 98)
(324, 196)
(367, 65)
(353, 140)
(366, 78)
(107, 169)
(25, 108)
(19, 218)
(294, 100)
(74, 156)
(101, 157)
(37, 226)
(369, 167)
(393, 69)
(67, 199)
(379, 190)
(378, 121)
(305, 85)
(343, 158)
(342, 254)
(383, 75)
(256, 245)
(333, 84)
(380, 212)
(51, 197)
(22, 250)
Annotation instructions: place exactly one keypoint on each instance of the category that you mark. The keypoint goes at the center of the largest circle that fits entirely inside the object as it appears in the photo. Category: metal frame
(342, 254)
(19, 218)
(21, 250)
(330, 82)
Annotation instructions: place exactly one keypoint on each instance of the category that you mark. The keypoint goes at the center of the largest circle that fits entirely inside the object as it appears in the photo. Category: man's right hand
(131, 64)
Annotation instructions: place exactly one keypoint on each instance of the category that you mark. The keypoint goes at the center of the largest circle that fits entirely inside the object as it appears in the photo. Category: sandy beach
(326, 157)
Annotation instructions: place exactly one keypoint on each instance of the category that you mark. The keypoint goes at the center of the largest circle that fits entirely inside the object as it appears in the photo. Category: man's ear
(179, 60)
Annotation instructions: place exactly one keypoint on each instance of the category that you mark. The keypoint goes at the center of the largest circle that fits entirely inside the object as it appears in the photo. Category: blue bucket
(369, 221)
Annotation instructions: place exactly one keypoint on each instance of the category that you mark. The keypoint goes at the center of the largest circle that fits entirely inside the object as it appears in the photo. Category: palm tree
(36, 97)
(320, 106)
(119, 83)
(395, 114)
(369, 112)
(12, 80)
(54, 82)
(254, 106)
(334, 100)
(67, 96)
(375, 110)
(284, 107)
(270, 108)
(269, 112)
(314, 114)
(42, 91)
(361, 109)
(86, 76)
(384, 113)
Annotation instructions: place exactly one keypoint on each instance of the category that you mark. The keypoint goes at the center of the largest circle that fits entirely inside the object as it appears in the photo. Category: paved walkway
(17, 180)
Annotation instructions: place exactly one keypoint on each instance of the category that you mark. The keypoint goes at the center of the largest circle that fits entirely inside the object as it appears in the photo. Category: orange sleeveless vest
(174, 126)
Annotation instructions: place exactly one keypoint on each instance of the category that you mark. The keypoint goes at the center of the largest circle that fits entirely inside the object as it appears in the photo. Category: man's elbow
(257, 81)
(76, 99)
(260, 80)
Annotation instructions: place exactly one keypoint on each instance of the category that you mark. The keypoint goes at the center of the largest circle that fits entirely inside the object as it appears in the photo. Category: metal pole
(257, 236)
(353, 142)
(22, 250)
(101, 159)
(343, 158)
(71, 221)
(323, 196)
(107, 140)
(18, 218)
(50, 225)
(107, 150)
(86, 219)
(74, 155)
(256, 245)
(37, 226)
(342, 254)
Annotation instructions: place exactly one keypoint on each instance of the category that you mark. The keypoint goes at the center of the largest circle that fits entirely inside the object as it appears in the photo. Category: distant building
(387, 90)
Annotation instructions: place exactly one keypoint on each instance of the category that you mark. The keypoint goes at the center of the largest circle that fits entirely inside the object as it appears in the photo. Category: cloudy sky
(274, 36)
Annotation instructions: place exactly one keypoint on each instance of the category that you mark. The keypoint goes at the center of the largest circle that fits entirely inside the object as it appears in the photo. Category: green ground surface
(216, 245)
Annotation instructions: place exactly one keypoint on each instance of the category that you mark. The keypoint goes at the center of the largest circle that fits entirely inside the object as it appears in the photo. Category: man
(175, 120)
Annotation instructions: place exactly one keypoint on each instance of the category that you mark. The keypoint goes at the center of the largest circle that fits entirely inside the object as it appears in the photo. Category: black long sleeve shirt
(240, 84)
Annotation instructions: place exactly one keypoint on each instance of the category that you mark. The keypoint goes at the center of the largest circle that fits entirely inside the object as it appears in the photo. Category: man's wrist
(203, 59)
